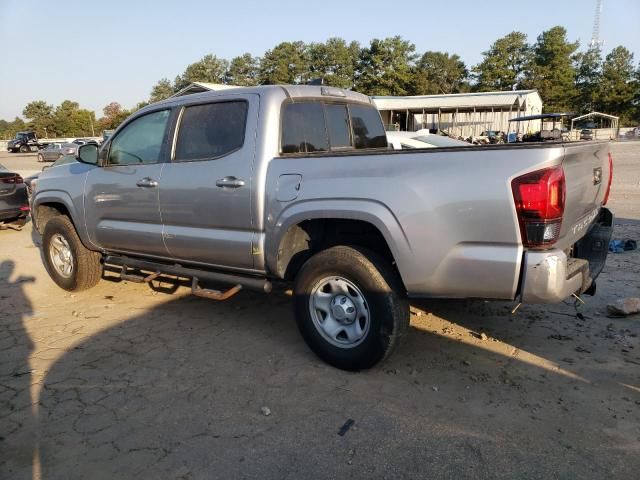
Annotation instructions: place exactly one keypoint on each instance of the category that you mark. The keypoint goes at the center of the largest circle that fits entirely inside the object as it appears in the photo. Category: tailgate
(586, 169)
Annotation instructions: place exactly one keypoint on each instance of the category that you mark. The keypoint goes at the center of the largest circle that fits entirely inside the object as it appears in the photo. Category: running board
(213, 294)
(245, 281)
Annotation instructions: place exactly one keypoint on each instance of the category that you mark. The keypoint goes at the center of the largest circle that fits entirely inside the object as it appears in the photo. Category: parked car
(422, 139)
(14, 204)
(298, 184)
(54, 151)
(84, 141)
(31, 180)
(586, 134)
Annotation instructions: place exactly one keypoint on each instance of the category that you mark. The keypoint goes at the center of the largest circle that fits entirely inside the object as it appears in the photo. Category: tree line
(568, 80)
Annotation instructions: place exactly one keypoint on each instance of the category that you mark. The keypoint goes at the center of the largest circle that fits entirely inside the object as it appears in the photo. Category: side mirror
(87, 153)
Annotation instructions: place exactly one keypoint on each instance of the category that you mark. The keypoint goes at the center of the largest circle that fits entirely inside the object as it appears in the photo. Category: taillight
(606, 195)
(13, 180)
(540, 198)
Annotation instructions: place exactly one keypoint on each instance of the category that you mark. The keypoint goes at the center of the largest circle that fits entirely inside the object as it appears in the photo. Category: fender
(370, 211)
(60, 196)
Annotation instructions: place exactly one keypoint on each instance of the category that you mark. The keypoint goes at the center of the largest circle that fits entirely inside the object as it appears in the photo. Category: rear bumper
(550, 276)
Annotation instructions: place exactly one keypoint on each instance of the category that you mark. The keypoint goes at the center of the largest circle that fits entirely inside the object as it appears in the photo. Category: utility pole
(595, 35)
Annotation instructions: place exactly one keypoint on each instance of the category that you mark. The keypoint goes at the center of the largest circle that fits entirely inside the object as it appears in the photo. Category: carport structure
(460, 114)
(612, 120)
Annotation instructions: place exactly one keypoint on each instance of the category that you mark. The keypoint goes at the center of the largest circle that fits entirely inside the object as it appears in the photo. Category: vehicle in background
(50, 153)
(586, 134)
(31, 180)
(298, 185)
(14, 203)
(422, 139)
(84, 141)
(106, 134)
(25, 142)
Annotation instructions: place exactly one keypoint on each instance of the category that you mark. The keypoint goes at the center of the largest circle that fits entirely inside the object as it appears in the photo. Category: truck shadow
(195, 389)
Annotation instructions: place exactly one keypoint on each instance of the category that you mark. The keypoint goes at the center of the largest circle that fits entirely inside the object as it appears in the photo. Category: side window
(140, 141)
(303, 128)
(210, 131)
(367, 127)
(338, 125)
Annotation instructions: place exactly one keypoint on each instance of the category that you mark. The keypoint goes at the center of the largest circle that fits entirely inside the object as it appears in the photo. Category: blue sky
(95, 52)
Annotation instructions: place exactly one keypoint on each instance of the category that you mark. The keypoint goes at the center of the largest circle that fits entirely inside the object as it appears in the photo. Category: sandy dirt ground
(122, 381)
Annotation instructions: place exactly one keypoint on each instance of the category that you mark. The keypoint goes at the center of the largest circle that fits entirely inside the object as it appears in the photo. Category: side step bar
(244, 281)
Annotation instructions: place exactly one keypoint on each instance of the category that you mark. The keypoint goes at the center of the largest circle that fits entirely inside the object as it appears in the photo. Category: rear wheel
(350, 307)
(40, 158)
(70, 264)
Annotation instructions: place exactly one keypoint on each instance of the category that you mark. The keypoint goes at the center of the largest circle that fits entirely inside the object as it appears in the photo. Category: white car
(422, 139)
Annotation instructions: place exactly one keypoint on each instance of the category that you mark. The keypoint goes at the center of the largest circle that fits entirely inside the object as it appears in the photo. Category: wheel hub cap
(339, 311)
(343, 309)
(61, 256)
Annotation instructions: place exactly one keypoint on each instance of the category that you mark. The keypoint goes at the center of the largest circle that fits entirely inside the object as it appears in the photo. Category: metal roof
(456, 100)
(596, 114)
(199, 87)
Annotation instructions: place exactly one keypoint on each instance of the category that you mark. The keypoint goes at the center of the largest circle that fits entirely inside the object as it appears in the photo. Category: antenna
(595, 35)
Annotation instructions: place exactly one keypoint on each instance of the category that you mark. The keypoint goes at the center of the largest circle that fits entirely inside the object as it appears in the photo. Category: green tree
(161, 90)
(503, 65)
(588, 80)
(334, 61)
(8, 130)
(552, 71)
(439, 73)
(385, 67)
(72, 121)
(40, 114)
(286, 63)
(619, 85)
(209, 68)
(243, 71)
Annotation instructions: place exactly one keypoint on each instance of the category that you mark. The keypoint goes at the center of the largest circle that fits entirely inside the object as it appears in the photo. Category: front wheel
(40, 158)
(350, 307)
(24, 149)
(70, 264)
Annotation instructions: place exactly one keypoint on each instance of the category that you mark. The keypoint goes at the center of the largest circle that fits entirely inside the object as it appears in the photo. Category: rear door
(205, 195)
(121, 198)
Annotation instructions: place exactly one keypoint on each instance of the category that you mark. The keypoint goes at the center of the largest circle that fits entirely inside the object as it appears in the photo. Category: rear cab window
(211, 131)
(316, 127)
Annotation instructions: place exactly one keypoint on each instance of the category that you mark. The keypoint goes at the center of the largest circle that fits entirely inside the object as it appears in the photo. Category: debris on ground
(346, 426)
(621, 246)
(624, 307)
(483, 336)
(266, 411)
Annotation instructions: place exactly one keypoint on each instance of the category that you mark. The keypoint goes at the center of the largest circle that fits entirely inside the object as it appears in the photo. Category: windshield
(20, 136)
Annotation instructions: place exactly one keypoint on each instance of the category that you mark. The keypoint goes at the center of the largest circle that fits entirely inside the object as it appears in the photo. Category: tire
(40, 158)
(24, 149)
(86, 269)
(365, 327)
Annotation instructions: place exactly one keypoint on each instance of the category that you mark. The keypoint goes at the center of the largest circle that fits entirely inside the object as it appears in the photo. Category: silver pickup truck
(250, 186)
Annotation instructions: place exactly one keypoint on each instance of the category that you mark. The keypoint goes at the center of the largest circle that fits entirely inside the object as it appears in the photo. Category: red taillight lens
(539, 198)
(13, 180)
(606, 195)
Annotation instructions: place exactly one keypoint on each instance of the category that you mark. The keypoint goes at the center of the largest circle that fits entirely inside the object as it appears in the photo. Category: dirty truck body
(253, 185)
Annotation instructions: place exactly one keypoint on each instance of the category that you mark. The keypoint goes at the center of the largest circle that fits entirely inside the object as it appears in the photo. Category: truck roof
(290, 91)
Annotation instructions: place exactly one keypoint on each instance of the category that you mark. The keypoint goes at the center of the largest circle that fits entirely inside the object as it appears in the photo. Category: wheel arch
(309, 227)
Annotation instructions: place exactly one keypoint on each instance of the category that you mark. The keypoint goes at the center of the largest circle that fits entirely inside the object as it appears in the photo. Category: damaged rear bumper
(550, 276)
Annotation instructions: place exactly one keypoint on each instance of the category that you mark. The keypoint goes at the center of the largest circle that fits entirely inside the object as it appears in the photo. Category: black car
(14, 203)
(31, 180)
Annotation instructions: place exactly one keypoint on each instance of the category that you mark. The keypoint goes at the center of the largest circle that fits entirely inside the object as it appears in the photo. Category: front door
(121, 198)
(205, 195)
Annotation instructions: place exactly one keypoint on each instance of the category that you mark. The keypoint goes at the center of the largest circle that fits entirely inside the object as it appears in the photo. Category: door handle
(147, 182)
(230, 182)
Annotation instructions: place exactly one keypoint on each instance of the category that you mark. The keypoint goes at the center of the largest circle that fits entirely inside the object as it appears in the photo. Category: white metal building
(461, 114)
(199, 87)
